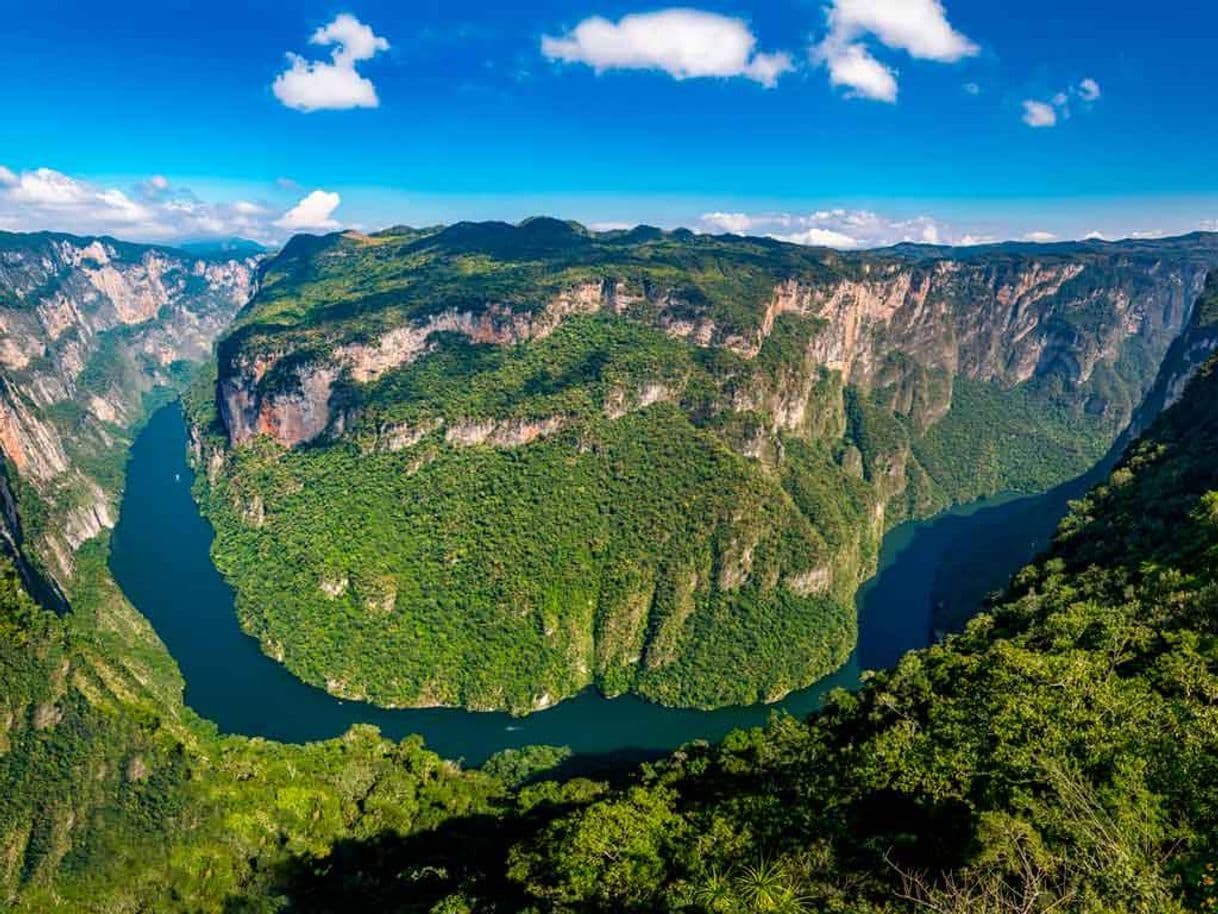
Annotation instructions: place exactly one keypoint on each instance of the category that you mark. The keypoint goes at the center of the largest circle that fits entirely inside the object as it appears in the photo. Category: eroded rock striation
(649, 461)
(88, 326)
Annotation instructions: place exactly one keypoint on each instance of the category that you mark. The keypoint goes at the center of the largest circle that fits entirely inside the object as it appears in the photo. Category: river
(932, 574)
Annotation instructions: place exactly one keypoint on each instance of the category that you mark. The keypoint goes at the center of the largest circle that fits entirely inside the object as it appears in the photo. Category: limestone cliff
(904, 326)
(88, 326)
(652, 462)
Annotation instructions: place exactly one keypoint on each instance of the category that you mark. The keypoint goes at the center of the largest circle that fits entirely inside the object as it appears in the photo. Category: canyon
(749, 460)
(730, 424)
(88, 328)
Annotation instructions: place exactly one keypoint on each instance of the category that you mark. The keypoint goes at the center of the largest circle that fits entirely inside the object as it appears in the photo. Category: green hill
(1059, 755)
(490, 465)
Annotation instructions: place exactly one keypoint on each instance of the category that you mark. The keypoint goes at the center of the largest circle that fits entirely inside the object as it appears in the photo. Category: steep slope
(115, 797)
(1058, 756)
(88, 327)
(1061, 755)
(490, 465)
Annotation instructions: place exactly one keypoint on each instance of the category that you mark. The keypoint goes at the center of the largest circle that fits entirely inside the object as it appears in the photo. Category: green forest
(500, 523)
(1061, 754)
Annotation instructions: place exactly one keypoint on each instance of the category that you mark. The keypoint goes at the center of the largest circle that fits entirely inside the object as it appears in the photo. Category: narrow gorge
(89, 329)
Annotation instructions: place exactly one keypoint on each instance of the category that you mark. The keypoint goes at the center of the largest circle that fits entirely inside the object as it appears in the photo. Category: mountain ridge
(533, 369)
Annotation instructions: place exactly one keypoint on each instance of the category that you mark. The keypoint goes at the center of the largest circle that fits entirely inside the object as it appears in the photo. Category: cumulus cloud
(1040, 237)
(861, 75)
(684, 43)
(732, 223)
(45, 187)
(836, 228)
(317, 85)
(314, 212)
(153, 187)
(1039, 114)
(920, 28)
(1046, 114)
(822, 238)
(153, 210)
(246, 208)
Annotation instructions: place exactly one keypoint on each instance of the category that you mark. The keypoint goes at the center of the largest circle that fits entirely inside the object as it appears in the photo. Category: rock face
(87, 327)
(887, 321)
(646, 461)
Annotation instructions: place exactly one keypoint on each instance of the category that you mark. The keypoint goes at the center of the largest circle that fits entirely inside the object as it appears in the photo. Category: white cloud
(822, 238)
(1040, 237)
(972, 89)
(1046, 114)
(684, 43)
(1095, 236)
(918, 27)
(315, 85)
(246, 208)
(732, 223)
(835, 228)
(313, 213)
(153, 210)
(1038, 114)
(1209, 225)
(853, 68)
(153, 188)
(46, 187)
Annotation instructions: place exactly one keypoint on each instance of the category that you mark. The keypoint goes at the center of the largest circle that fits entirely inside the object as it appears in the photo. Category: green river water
(931, 573)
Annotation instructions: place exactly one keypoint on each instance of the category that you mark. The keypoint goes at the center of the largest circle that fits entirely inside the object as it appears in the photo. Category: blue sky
(850, 122)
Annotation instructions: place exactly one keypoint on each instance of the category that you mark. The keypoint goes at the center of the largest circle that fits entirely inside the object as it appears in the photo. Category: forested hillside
(1060, 755)
(491, 465)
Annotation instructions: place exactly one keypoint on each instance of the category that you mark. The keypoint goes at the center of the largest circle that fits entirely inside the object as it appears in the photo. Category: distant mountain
(490, 465)
(222, 247)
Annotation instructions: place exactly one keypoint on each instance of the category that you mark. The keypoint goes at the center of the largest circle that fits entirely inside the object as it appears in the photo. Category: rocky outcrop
(894, 324)
(732, 424)
(87, 327)
(301, 412)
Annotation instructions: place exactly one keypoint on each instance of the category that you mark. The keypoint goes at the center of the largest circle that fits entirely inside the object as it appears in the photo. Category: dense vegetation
(635, 552)
(615, 499)
(113, 796)
(1059, 755)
